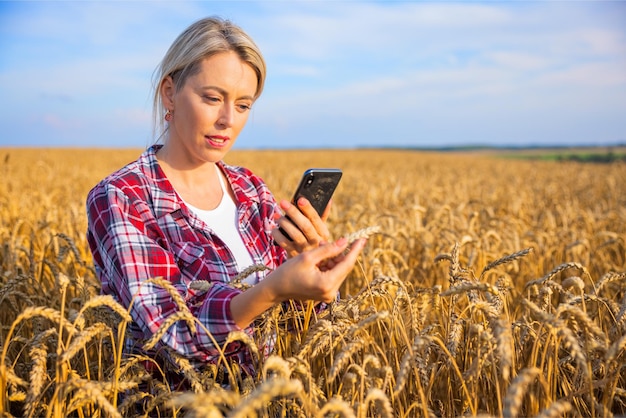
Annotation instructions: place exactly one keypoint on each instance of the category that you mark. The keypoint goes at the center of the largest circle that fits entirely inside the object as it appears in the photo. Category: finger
(355, 249)
(336, 250)
(320, 230)
(290, 231)
(285, 243)
(340, 266)
(306, 233)
(326, 213)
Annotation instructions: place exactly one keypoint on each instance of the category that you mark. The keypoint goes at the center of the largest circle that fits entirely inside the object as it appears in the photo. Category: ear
(167, 92)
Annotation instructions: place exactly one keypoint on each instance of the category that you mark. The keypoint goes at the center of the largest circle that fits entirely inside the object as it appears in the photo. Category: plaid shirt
(139, 228)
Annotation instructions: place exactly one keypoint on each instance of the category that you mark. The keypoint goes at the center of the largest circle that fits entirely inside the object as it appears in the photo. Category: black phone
(317, 186)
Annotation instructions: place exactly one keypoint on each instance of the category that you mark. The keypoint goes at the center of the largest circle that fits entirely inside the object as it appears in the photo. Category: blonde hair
(201, 40)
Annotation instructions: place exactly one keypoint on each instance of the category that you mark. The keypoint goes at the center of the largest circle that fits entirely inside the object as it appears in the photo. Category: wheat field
(490, 287)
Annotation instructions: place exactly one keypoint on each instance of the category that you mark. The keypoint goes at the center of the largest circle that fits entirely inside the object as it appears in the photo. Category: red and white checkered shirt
(139, 228)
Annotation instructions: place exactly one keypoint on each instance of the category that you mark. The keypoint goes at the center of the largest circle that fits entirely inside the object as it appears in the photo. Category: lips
(218, 141)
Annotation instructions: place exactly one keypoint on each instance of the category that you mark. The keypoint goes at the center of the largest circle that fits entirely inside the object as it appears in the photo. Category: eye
(244, 107)
(211, 99)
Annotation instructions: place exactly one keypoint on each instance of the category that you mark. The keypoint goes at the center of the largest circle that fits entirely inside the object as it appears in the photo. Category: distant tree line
(608, 157)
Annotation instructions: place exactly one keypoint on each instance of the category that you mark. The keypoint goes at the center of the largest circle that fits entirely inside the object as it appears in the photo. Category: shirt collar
(166, 200)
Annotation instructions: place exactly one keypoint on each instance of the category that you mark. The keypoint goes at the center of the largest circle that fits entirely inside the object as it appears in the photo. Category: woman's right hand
(306, 229)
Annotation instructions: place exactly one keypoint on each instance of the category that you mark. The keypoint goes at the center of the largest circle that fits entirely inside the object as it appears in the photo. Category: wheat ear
(266, 392)
(249, 271)
(175, 317)
(556, 271)
(378, 396)
(362, 233)
(336, 406)
(38, 374)
(344, 357)
(276, 366)
(82, 338)
(318, 338)
(506, 259)
(105, 300)
(87, 393)
(517, 390)
(244, 338)
(558, 409)
(207, 404)
(615, 349)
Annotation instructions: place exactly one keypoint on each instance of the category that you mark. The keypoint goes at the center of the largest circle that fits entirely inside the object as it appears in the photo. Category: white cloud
(519, 61)
(398, 64)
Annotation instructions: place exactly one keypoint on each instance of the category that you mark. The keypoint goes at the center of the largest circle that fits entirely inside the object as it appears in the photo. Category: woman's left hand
(306, 228)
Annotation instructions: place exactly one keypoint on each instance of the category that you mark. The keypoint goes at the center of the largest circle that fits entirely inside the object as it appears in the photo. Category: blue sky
(341, 73)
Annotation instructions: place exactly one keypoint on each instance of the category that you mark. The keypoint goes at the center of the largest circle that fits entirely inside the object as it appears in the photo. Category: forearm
(248, 305)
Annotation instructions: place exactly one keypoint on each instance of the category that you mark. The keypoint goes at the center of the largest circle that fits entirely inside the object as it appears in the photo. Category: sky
(341, 74)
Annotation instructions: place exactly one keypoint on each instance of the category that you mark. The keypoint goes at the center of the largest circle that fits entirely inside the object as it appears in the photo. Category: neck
(185, 173)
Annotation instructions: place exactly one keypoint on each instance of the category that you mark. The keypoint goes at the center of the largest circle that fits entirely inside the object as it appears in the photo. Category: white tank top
(224, 223)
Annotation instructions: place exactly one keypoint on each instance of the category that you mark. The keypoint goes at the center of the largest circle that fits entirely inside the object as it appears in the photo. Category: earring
(168, 115)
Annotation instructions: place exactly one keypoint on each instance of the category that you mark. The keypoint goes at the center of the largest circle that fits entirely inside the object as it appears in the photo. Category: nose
(226, 115)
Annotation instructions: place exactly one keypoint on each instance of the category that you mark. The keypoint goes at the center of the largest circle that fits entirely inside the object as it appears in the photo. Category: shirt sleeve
(124, 239)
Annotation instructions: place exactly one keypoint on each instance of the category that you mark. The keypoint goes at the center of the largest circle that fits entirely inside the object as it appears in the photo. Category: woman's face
(211, 109)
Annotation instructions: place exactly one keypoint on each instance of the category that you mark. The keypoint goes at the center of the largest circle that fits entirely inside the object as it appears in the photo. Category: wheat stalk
(174, 294)
(556, 271)
(375, 395)
(318, 338)
(558, 409)
(38, 374)
(362, 233)
(504, 346)
(188, 370)
(215, 403)
(615, 349)
(255, 268)
(517, 390)
(583, 318)
(462, 287)
(344, 356)
(104, 300)
(276, 366)
(164, 327)
(82, 338)
(336, 406)
(87, 393)
(266, 392)
(505, 259)
(455, 334)
(130, 401)
(608, 278)
(413, 355)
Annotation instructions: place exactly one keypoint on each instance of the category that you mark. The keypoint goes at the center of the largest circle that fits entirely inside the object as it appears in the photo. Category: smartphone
(317, 186)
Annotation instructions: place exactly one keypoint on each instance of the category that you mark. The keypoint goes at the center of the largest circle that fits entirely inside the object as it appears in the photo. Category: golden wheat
(433, 321)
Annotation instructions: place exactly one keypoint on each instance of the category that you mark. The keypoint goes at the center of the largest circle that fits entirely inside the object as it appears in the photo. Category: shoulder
(136, 178)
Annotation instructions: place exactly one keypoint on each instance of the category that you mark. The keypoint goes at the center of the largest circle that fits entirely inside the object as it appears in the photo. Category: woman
(180, 213)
